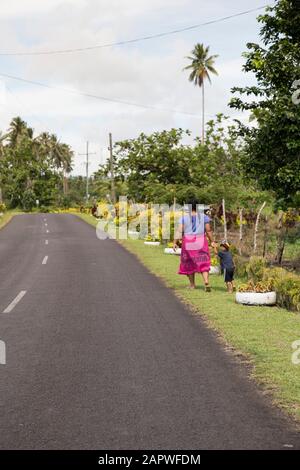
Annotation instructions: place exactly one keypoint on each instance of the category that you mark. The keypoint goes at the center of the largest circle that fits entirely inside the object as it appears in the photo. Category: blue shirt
(195, 224)
(226, 260)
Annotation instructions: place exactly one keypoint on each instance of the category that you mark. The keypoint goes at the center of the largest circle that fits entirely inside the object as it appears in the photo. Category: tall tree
(202, 64)
(2, 138)
(66, 156)
(160, 167)
(272, 156)
(18, 129)
(30, 166)
(61, 156)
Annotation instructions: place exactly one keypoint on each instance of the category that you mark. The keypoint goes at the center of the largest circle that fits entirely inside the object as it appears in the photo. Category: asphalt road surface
(100, 355)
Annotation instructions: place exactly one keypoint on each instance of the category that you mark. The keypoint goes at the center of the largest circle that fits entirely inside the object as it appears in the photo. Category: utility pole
(87, 154)
(112, 175)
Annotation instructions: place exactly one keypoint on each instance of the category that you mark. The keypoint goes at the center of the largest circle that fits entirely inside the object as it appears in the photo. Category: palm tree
(61, 156)
(66, 155)
(2, 138)
(200, 66)
(17, 130)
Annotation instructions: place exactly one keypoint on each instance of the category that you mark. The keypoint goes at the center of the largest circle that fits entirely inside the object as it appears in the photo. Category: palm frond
(200, 63)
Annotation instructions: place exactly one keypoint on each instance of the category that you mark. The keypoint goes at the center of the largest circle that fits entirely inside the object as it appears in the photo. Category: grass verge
(6, 217)
(264, 335)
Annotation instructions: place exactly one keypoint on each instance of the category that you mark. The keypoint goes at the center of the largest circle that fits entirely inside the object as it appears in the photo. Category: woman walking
(194, 230)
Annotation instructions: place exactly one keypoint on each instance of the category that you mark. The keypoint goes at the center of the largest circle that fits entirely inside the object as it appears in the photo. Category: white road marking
(45, 260)
(15, 302)
(46, 242)
(47, 231)
(46, 225)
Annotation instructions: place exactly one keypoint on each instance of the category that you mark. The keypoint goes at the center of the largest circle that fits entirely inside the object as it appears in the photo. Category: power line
(135, 40)
(97, 97)
(106, 99)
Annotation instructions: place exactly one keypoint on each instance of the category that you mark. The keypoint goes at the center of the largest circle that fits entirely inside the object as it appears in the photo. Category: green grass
(87, 218)
(7, 216)
(263, 335)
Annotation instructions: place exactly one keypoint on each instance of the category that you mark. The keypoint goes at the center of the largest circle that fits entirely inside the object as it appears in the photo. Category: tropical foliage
(161, 167)
(32, 168)
(272, 155)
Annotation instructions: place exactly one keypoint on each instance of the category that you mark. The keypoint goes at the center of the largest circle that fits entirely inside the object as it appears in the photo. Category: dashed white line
(45, 260)
(46, 242)
(46, 225)
(47, 231)
(15, 302)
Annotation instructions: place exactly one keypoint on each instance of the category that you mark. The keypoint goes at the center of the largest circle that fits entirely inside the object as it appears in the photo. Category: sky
(147, 72)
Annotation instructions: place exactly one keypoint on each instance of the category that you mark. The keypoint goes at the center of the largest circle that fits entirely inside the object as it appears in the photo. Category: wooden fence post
(256, 227)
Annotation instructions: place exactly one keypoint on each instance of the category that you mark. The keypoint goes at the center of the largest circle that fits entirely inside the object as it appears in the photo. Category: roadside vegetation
(6, 216)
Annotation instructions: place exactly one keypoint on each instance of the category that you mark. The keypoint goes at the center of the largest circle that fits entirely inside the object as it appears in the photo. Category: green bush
(287, 286)
(240, 266)
(28, 200)
(2, 207)
(44, 209)
(255, 268)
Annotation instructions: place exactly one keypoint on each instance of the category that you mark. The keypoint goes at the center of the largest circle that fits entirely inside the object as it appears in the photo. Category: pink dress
(195, 256)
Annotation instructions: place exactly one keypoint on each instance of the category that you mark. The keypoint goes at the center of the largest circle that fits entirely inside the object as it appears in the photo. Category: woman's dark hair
(192, 203)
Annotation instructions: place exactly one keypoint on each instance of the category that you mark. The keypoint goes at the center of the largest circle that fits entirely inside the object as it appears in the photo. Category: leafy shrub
(255, 268)
(28, 200)
(240, 266)
(2, 207)
(44, 209)
(287, 286)
(214, 261)
(234, 249)
(151, 238)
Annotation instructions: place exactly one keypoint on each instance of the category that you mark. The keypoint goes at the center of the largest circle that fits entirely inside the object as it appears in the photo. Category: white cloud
(25, 8)
(149, 72)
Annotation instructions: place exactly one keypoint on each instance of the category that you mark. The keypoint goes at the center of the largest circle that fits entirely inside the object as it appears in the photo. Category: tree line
(33, 169)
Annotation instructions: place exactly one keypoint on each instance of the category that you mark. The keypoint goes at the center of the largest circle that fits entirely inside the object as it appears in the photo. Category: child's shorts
(228, 275)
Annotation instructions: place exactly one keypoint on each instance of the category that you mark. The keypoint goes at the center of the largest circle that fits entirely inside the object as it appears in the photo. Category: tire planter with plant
(171, 251)
(261, 293)
(215, 265)
(214, 270)
(133, 234)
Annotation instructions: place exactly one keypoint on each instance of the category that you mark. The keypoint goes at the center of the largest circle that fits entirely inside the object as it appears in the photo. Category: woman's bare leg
(205, 278)
(192, 280)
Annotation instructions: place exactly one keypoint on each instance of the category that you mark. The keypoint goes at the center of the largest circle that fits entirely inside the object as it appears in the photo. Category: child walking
(227, 264)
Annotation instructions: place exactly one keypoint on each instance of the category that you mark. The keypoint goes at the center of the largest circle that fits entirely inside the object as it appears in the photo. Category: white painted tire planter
(170, 251)
(152, 243)
(214, 270)
(256, 298)
(133, 234)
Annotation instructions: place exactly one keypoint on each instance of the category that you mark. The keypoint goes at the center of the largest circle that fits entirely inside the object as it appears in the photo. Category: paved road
(100, 355)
